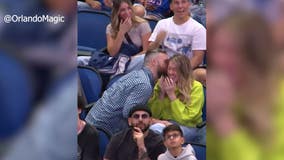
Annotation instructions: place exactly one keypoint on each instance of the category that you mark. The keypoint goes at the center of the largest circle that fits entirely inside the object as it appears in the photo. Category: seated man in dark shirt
(136, 142)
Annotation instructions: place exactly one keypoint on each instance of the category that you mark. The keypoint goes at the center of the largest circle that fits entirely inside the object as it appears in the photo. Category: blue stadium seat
(84, 51)
(103, 142)
(152, 23)
(92, 28)
(91, 82)
(200, 151)
(204, 106)
(15, 95)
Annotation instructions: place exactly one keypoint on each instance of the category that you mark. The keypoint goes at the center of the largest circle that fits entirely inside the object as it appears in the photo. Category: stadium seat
(152, 23)
(204, 106)
(84, 51)
(103, 142)
(91, 83)
(200, 151)
(92, 28)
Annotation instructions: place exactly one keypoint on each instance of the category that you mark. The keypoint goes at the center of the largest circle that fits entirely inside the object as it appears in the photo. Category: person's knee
(199, 74)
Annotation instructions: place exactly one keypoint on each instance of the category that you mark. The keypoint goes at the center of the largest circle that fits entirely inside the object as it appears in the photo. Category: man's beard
(161, 71)
(144, 129)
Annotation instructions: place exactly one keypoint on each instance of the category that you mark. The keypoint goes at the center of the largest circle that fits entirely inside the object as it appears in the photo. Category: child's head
(173, 136)
(139, 10)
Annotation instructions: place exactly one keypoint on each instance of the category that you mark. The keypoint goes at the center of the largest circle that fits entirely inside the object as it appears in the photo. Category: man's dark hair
(140, 108)
(172, 127)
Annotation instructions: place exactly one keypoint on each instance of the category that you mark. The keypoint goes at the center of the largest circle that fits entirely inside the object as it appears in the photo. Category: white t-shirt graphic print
(175, 43)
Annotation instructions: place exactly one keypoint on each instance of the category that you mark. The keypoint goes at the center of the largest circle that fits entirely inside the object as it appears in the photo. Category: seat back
(92, 28)
(204, 106)
(91, 83)
(200, 151)
(103, 142)
(152, 23)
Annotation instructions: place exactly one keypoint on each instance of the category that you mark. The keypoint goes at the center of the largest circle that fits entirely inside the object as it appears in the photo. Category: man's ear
(182, 140)
(171, 6)
(154, 62)
(129, 121)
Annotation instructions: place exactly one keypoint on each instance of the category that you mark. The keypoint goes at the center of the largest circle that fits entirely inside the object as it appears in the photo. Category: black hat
(139, 108)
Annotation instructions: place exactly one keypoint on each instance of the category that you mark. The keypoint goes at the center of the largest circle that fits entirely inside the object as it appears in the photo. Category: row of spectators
(153, 9)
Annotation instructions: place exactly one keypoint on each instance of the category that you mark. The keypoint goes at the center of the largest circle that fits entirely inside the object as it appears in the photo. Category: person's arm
(138, 137)
(108, 3)
(94, 4)
(114, 44)
(197, 58)
(140, 94)
(198, 46)
(158, 41)
(146, 33)
(166, 123)
(157, 37)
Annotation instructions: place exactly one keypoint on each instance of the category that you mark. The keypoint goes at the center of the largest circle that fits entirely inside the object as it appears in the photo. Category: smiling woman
(179, 98)
(126, 29)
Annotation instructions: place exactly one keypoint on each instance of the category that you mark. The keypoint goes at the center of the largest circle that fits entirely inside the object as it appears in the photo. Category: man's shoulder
(195, 24)
(165, 21)
(136, 75)
(122, 133)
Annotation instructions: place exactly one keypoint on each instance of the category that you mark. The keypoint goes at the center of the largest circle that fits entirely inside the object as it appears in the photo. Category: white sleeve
(199, 39)
(154, 34)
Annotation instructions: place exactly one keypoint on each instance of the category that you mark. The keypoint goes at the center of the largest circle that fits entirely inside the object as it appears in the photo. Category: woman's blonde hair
(184, 72)
(115, 20)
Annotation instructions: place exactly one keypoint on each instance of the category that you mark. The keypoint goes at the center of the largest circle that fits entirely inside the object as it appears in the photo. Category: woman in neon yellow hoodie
(178, 98)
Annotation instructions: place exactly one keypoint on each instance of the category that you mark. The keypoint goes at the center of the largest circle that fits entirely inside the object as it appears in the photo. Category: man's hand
(138, 137)
(159, 40)
(161, 36)
(108, 3)
(94, 4)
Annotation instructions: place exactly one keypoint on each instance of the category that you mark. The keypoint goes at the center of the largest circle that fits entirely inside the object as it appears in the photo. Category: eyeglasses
(137, 116)
(172, 136)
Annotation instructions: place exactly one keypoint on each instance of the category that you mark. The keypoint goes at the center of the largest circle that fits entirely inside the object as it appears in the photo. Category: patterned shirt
(110, 112)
